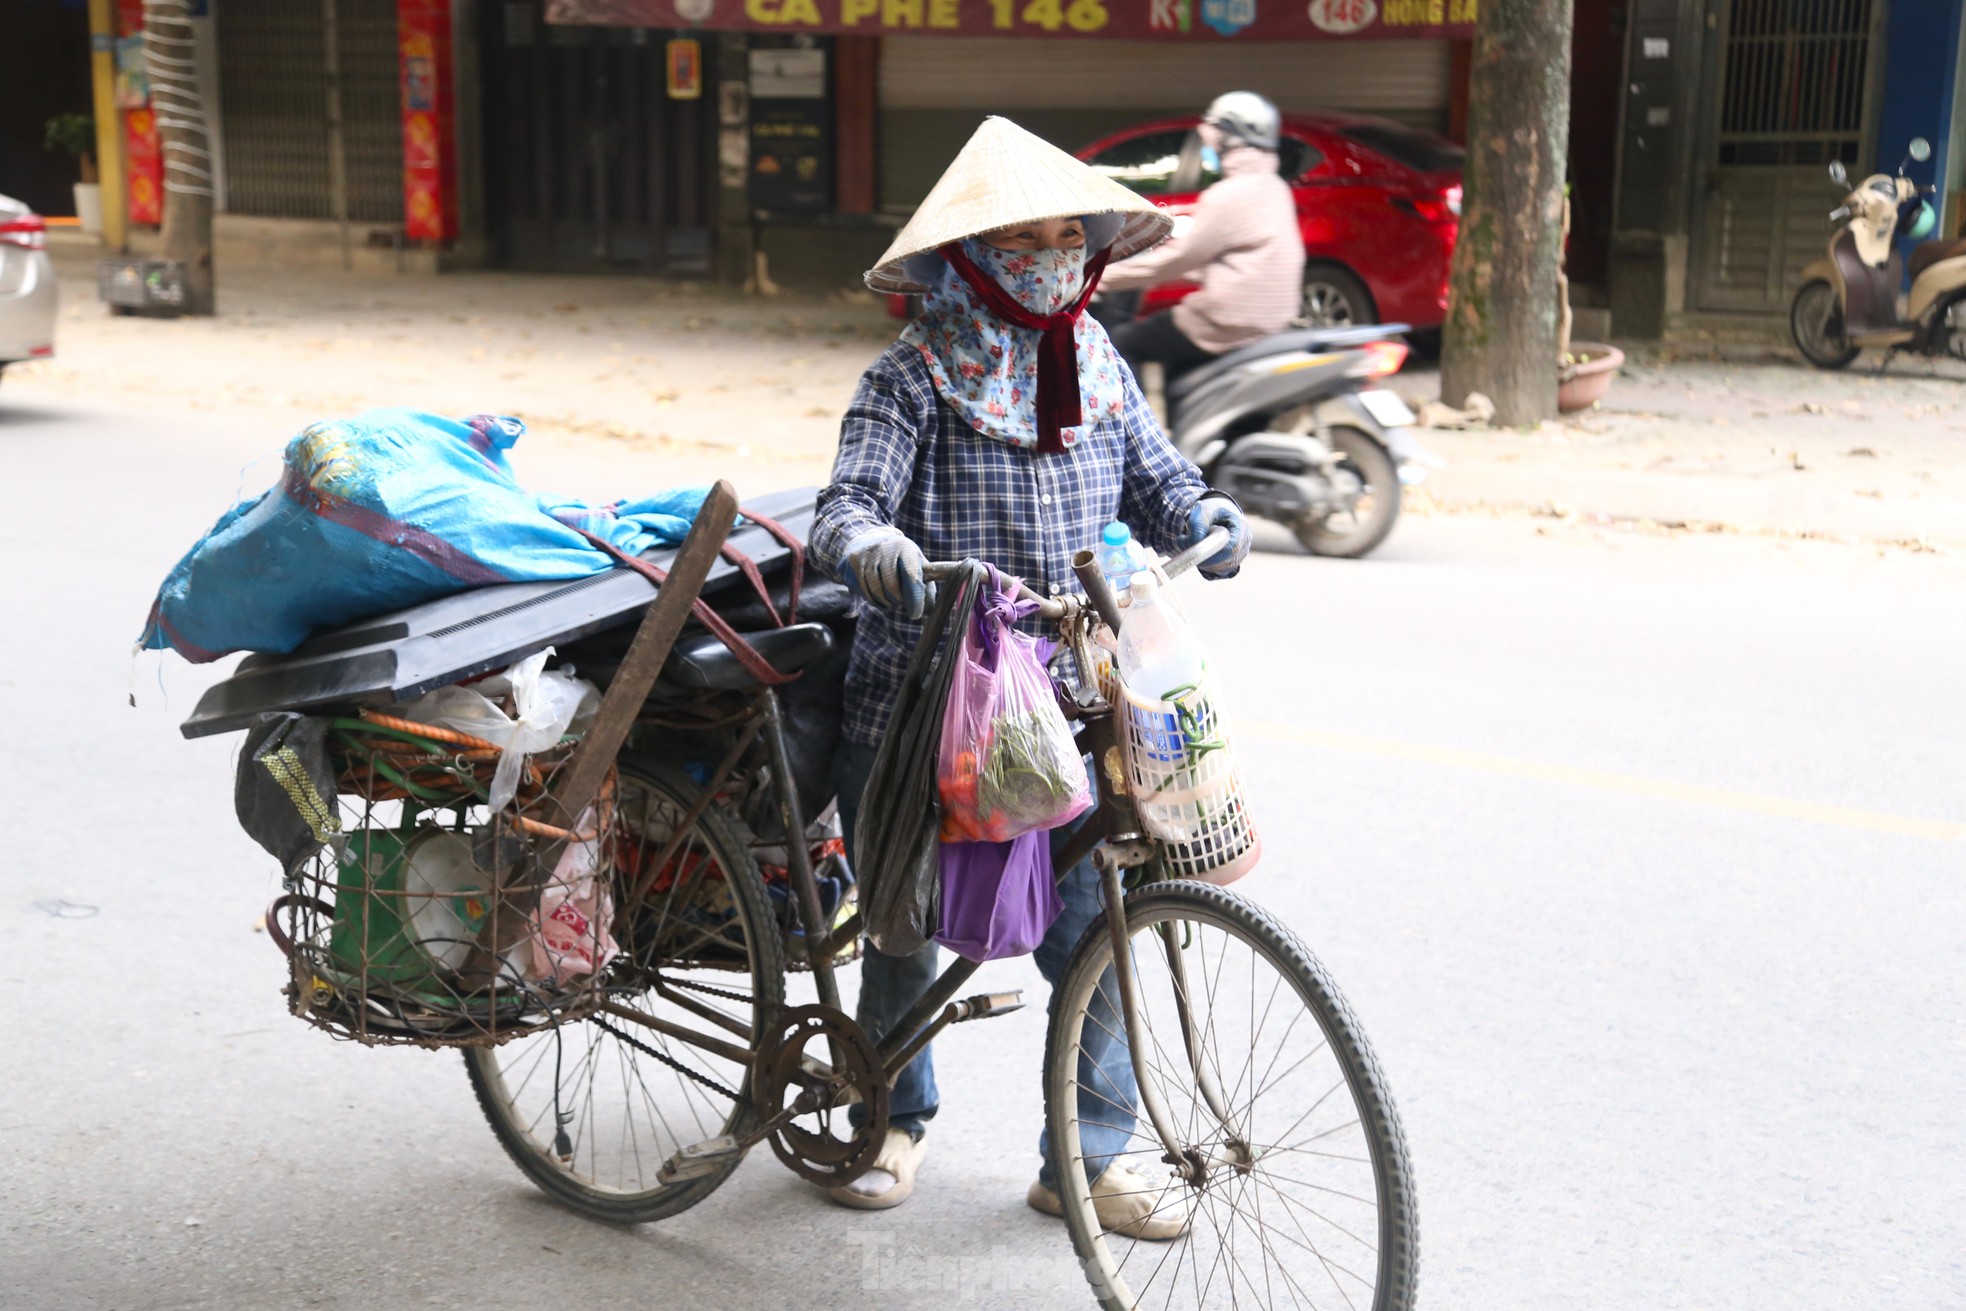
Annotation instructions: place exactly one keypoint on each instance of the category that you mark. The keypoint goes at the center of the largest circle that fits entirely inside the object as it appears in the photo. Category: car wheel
(1334, 298)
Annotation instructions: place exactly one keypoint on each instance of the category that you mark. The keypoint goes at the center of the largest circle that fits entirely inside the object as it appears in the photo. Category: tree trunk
(171, 45)
(1501, 333)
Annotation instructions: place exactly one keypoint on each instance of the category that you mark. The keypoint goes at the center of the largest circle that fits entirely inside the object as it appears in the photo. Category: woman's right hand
(886, 568)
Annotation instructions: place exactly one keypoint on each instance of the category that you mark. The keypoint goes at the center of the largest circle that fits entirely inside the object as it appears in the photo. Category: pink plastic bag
(1008, 763)
(569, 930)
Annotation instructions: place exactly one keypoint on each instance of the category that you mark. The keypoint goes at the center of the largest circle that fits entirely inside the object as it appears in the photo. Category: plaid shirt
(908, 461)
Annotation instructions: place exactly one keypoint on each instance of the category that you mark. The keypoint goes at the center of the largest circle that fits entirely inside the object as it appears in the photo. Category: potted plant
(1585, 368)
(76, 134)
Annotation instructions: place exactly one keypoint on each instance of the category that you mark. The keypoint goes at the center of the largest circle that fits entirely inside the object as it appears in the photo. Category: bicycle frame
(1111, 837)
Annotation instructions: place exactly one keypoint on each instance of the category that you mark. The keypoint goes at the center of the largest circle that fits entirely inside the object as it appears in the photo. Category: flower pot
(1584, 383)
(88, 206)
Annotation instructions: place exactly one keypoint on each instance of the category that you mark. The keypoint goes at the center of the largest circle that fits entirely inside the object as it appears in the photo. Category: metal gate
(273, 98)
(1793, 92)
(589, 163)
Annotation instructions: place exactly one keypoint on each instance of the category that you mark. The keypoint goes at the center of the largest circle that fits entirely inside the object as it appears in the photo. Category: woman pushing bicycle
(1001, 426)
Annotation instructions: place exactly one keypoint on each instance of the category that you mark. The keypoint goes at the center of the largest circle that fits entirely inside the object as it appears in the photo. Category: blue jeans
(889, 985)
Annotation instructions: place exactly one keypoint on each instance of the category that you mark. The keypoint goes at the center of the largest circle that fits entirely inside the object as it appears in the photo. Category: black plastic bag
(284, 791)
(898, 835)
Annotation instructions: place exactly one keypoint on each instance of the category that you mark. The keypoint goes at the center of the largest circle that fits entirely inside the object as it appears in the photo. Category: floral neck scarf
(993, 369)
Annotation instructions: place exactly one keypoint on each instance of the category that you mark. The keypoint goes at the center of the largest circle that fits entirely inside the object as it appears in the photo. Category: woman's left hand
(1218, 511)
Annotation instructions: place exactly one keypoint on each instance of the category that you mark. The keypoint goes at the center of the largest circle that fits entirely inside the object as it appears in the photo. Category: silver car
(27, 286)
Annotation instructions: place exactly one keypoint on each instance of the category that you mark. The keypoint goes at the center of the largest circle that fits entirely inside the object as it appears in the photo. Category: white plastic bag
(548, 703)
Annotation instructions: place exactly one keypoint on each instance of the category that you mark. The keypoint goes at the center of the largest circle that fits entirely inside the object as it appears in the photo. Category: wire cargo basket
(1184, 778)
(425, 918)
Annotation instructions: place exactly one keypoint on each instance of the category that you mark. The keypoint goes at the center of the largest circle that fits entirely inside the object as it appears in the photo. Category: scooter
(1297, 428)
(1850, 300)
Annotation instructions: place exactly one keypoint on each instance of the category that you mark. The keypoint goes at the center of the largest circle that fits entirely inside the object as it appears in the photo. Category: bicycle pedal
(985, 1005)
(695, 1160)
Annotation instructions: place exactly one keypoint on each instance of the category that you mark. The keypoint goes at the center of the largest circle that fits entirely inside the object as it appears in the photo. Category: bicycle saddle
(701, 660)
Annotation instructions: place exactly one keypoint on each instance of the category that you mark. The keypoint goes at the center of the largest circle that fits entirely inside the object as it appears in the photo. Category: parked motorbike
(1297, 428)
(1850, 301)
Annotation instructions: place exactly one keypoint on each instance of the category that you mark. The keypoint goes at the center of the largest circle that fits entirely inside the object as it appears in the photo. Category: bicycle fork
(1191, 1161)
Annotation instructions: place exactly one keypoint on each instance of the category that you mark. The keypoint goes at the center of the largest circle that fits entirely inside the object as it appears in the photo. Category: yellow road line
(1606, 781)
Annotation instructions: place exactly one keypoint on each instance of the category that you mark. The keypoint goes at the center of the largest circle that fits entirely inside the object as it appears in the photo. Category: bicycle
(1292, 1165)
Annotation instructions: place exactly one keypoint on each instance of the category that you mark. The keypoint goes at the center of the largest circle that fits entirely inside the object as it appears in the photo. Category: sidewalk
(1748, 439)
(700, 379)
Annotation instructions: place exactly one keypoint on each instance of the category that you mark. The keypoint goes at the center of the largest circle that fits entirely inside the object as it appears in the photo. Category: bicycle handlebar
(1054, 608)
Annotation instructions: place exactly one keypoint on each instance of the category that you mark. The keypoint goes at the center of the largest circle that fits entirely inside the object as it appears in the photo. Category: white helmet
(1244, 118)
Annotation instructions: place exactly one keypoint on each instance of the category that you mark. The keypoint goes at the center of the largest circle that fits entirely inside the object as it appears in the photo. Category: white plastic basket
(1184, 778)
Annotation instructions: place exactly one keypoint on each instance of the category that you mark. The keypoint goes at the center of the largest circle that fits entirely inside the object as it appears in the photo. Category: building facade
(784, 140)
(1734, 111)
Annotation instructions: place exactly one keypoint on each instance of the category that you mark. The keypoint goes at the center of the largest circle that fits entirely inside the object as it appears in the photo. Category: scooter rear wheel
(1350, 533)
(1816, 324)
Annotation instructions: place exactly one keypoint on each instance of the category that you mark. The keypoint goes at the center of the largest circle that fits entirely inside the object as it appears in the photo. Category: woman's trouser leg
(889, 985)
(1108, 1092)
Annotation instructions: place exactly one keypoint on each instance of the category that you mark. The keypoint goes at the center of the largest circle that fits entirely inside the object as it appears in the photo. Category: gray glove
(886, 568)
(1217, 510)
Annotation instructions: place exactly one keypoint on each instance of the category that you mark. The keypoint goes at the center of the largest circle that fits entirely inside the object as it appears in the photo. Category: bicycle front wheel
(1290, 1163)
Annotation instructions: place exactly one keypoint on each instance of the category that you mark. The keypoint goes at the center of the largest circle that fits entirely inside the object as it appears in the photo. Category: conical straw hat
(1004, 176)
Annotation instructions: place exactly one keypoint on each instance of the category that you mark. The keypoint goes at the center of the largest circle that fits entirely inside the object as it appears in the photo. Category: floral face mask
(987, 368)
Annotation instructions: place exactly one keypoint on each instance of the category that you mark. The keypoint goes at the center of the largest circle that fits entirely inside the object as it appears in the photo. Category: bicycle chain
(667, 1060)
(690, 985)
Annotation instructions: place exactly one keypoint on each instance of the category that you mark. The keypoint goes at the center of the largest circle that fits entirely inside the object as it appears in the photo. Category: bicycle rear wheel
(591, 1110)
(1300, 1194)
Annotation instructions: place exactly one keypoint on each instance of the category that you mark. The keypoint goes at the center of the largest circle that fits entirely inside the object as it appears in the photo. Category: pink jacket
(1243, 247)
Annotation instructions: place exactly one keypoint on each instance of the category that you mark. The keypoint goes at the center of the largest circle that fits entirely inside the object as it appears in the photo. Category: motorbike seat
(701, 660)
(1297, 339)
(1925, 256)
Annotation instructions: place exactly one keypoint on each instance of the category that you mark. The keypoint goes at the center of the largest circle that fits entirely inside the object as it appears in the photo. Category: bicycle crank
(816, 1063)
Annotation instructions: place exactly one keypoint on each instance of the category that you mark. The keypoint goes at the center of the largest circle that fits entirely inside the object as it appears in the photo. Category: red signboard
(423, 34)
(143, 154)
(143, 163)
(1175, 20)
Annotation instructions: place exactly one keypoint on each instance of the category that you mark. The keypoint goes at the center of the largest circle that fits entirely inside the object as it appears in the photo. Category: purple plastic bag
(998, 898)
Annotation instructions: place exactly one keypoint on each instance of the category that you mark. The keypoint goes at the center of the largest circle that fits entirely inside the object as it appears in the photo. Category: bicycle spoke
(1260, 1231)
(622, 1116)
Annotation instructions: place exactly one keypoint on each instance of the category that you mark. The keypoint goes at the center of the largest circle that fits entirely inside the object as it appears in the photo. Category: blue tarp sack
(383, 511)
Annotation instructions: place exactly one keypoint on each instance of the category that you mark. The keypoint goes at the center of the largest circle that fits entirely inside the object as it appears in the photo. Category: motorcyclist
(1001, 426)
(1243, 246)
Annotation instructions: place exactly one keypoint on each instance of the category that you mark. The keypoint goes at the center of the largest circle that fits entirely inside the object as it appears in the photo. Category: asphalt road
(1639, 857)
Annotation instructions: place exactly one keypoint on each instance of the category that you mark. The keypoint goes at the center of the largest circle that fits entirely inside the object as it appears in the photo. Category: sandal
(901, 1155)
(1126, 1203)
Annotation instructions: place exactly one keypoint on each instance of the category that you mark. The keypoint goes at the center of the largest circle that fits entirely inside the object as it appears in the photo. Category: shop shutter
(935, 89)
(273, 109)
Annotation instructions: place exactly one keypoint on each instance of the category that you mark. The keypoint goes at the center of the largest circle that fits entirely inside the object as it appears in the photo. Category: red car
(1379, 204)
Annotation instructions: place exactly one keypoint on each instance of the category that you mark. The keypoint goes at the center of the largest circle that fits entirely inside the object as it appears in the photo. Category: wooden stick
(643, 663)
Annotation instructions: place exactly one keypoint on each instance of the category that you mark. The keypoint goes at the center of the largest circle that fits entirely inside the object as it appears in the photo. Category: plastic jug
(1159, 657)
(1120, 557)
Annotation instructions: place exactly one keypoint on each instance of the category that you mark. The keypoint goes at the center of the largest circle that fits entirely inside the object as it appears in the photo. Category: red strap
(1059, 405)
(791, 543)
(747, 655)
(749, 568)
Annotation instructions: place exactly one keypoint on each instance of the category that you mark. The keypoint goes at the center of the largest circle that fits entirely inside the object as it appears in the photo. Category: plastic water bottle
(1120, 557)
(1159, 656)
